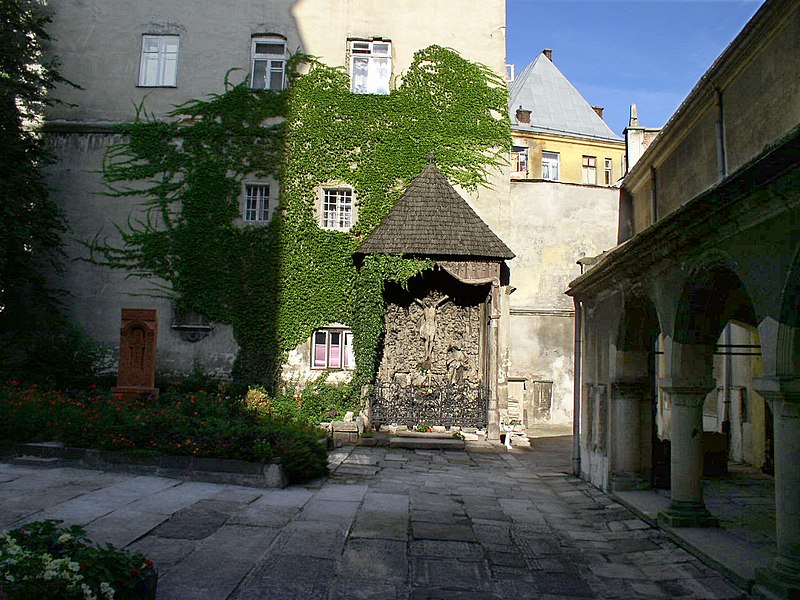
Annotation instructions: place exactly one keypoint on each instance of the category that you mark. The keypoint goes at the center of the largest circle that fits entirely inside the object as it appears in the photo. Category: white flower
(10, 578)
(74, 567)
(107, 590)
(49, 574)
(87, 592)
(65, 537)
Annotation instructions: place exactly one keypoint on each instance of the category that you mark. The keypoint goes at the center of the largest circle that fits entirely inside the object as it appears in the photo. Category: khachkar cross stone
(137, 353)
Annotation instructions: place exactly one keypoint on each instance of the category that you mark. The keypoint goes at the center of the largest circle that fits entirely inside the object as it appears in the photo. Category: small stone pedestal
(137, 353)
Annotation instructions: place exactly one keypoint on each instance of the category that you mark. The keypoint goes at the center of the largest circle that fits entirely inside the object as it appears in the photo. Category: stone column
(627, 397)
(493, 430)
(687, 508)
(783, 578)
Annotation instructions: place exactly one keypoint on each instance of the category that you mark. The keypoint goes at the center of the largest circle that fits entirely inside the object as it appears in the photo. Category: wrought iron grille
(464, 405)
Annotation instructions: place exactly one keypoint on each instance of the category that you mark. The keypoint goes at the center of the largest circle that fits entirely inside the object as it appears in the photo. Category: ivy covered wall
(275, 284)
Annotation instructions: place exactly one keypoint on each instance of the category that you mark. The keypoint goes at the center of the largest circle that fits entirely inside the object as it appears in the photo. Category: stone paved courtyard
(388, 524)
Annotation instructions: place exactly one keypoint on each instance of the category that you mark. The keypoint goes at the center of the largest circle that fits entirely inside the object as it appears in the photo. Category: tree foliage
(30, 222)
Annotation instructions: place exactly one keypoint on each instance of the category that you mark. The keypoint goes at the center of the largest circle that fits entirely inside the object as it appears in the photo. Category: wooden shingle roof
(432, 219)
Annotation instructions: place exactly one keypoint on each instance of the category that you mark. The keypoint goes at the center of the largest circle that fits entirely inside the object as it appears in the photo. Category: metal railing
(463, 404)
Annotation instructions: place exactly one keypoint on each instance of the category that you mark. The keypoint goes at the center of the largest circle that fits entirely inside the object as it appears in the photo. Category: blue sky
(618, 52)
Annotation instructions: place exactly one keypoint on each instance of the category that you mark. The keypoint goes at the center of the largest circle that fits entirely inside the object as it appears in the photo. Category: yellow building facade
(558, 136)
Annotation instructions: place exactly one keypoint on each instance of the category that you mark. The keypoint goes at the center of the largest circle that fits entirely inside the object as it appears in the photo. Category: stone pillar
(493, 430)
(783, 578)
(627, 397)
(687, 508)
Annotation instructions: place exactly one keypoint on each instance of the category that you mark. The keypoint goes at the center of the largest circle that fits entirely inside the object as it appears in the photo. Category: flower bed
(202, 424)
(45, 560)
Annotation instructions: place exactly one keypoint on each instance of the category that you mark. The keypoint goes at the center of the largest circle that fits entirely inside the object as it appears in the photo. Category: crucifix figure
(427, 324)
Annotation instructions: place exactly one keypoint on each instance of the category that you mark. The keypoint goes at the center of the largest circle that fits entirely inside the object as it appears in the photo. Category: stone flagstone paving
(388, 524)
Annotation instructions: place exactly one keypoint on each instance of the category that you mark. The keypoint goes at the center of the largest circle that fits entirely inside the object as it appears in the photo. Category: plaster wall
(553, 225)
(753, 94)
(100, 42)
(95, 294)
(571, 152)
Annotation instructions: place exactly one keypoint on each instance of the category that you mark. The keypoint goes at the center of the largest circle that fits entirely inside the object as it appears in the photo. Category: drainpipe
(576, 411)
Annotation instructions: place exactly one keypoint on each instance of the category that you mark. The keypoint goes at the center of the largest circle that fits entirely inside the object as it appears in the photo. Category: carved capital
(683, 392)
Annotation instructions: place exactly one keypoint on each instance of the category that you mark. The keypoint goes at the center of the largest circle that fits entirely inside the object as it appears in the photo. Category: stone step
(418, 443)
(40, 462)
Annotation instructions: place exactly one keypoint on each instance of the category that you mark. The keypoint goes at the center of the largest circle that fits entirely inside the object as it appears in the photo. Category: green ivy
(275, 284)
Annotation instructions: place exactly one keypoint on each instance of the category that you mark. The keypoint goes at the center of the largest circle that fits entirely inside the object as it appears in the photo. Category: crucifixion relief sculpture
(427, 324)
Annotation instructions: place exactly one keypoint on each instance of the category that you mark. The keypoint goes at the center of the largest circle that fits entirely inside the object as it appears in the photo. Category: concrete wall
(553, 225)
(99, 44)
(752, 92)
(571, 152)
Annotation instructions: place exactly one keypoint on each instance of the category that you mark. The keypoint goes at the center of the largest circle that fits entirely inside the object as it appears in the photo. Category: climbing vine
(275, 284)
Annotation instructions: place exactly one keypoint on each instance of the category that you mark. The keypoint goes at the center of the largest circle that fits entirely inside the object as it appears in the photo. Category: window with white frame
(268, 63)
(589, 170)
(159, 62)
(337, 208)
(256, 203)
(550, 162)
(370, 66)
(519, 161)
(332, 349)
(607, 172)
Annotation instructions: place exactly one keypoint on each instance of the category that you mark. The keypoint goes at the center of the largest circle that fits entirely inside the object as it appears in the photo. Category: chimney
(523, 116)
(599, 110)
(548, 52)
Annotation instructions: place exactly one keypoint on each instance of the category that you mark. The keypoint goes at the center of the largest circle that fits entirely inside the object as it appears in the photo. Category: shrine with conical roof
(439, 358)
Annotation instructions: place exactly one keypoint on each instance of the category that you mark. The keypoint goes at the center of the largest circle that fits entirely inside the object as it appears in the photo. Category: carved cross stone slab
(137, 353)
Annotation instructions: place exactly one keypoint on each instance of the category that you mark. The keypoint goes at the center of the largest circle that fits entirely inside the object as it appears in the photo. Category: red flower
(134, 572)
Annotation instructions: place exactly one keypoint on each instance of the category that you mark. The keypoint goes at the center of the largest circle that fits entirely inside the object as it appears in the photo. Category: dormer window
(370, 66)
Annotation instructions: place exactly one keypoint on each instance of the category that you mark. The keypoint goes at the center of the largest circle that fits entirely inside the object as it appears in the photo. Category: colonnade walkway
(743, 501)
(388, 523)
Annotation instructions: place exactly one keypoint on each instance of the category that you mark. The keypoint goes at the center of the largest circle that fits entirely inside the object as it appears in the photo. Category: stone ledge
(417, 443)
(188, 468)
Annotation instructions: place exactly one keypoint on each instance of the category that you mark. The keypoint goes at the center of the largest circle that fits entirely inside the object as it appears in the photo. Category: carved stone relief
(431, 339)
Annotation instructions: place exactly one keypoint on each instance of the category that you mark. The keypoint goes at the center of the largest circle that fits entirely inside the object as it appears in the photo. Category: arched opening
(641, 458)
(715, 356)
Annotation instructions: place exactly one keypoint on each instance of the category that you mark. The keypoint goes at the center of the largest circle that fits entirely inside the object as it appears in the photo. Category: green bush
(198, 424)
(318, 402)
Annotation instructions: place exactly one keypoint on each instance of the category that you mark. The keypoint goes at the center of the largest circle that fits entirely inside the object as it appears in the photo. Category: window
(370, 67)
(608, 180)
(332, 349)
(337, 208)
(268, 68)
(159, 64)
(590, 170)
(519, 161)
(550, 166)
(256, 202)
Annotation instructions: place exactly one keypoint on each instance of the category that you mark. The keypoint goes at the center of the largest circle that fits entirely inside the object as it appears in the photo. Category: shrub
(199, 424)
(45, 560)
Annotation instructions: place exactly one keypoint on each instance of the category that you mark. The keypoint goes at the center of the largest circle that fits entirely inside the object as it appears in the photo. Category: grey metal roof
(432, 219)
(555, 105)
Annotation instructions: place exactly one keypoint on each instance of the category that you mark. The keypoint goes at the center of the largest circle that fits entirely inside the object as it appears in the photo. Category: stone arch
(788, 342)
(712, 296)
